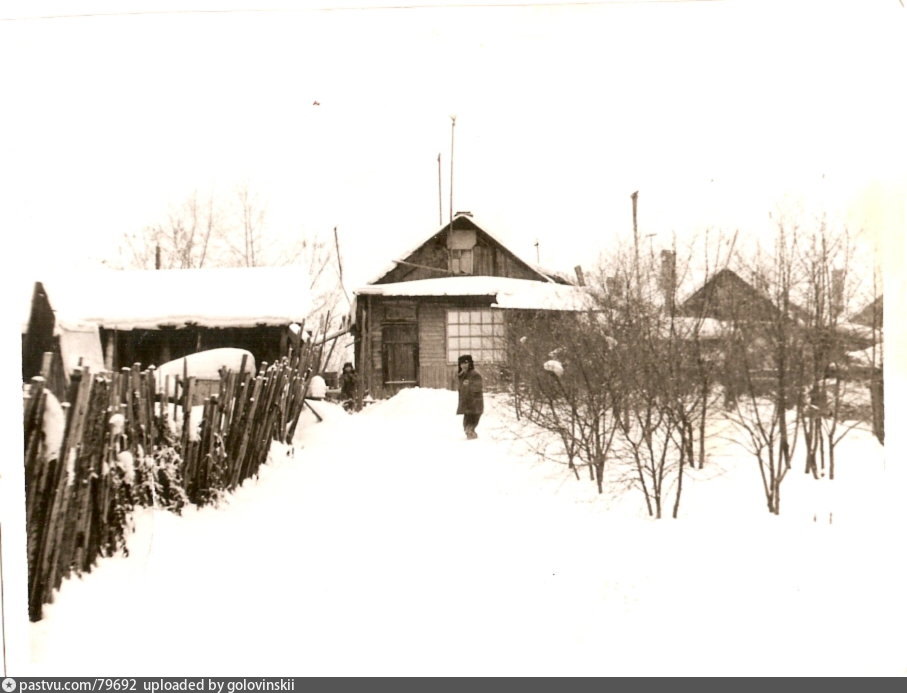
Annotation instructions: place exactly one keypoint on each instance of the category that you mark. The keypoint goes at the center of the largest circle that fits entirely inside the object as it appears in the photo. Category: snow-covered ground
(386, 543)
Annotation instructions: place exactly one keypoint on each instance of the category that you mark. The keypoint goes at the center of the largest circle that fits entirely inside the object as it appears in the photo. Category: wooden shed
(448, 296)
(154, 316)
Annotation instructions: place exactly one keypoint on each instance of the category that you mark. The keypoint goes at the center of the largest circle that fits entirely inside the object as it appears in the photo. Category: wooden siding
(432, 253)
(433, 345)
(490, 258)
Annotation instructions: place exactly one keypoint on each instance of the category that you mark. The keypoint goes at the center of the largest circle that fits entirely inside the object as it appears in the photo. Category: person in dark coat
(348, 383)
(471, 400)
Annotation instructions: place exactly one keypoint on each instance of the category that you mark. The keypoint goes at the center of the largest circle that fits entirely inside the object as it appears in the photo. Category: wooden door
(400, 355)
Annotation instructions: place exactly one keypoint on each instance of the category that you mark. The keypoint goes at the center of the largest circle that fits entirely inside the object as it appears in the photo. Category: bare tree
(251, 214)
(192, 236)
(764, 366)
(564, 384)
(620, 382)
(205, 232)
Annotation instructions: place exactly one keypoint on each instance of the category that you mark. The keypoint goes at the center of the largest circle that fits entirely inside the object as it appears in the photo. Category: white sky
(717, 112)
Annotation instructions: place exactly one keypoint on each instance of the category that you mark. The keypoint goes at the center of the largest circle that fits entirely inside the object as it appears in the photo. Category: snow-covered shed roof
(235, 297)
(505, 292)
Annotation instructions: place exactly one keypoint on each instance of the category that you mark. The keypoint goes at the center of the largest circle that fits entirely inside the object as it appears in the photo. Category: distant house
(726, 296)
(113, 319)
(871, 315)
(448, 296)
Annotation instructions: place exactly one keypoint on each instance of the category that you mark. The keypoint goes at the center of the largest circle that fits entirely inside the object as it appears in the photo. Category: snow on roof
(550, 273)
(853, 329)
(705, 328)
(505, 292)
(423, 239)
(869, 357)
(235, 297)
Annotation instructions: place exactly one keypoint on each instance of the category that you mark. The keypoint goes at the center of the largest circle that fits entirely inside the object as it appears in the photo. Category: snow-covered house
(727, 296)
(448, 296)
(872, 315)
(113, 319)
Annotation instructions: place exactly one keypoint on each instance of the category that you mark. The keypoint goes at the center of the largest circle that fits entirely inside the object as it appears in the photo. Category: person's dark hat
(465, 358)
(347, 364)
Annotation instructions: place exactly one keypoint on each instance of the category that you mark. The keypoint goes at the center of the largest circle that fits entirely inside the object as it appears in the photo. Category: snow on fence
(122, 440)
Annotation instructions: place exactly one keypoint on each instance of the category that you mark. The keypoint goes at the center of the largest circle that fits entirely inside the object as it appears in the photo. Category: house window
(460, 244)
(461, 261)
(479, 332)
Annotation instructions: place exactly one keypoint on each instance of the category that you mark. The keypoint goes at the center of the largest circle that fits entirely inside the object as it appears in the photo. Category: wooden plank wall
(433, 371)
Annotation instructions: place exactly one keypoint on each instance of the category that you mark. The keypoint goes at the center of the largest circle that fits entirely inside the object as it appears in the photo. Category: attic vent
(463, 239)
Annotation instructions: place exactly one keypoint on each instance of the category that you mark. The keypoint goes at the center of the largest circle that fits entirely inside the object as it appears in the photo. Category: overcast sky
(717, 112)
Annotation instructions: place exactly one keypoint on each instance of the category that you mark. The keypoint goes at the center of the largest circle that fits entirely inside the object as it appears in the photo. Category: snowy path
(438, 555)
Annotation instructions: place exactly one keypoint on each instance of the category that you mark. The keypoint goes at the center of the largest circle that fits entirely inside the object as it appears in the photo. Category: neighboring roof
(871, 315)
(505, 292)
(24, 297)
(543, 274)
(555, 275)
(235, 297)
(707, 300)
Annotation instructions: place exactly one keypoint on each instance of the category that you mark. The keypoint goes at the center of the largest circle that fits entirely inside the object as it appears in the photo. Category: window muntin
(479, 332)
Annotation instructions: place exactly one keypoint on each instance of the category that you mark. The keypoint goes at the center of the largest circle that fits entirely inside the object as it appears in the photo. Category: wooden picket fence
(121, 449)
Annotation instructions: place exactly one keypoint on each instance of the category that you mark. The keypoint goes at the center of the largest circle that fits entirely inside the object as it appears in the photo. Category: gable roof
(872, 315)
(711, 300)
(465, 220)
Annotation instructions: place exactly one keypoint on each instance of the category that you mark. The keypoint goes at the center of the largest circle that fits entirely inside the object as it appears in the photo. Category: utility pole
(634, 197)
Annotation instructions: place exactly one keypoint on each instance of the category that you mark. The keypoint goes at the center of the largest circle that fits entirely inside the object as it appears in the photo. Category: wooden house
(112, 319)
(449, 296)
(871, 315)
(728, 297)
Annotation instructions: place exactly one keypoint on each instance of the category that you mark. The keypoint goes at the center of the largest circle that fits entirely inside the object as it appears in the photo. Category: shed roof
(234, 297)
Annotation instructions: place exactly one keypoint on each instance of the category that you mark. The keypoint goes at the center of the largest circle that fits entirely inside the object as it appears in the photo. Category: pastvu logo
(9, 685)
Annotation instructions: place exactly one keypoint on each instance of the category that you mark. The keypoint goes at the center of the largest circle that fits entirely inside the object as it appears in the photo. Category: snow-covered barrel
(205, 367)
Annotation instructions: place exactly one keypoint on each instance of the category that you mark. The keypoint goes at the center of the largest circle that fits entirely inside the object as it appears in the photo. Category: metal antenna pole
(453, 124)
(440, 196)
